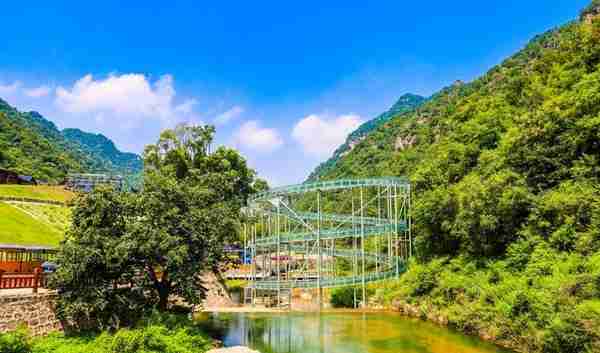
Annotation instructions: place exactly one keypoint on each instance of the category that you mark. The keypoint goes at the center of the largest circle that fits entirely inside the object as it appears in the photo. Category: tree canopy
(130, 251)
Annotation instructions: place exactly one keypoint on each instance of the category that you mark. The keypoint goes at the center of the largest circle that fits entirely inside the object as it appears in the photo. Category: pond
(339, 332)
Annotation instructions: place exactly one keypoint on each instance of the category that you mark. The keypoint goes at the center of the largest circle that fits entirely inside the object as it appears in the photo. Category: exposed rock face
(403, 142)
(35, 311)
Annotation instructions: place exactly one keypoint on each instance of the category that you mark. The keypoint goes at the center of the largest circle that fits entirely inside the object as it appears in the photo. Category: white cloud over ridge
(10, 88)
(320, 135)
(251, 135)
(130, 98)
(38, 92)
(229, 115)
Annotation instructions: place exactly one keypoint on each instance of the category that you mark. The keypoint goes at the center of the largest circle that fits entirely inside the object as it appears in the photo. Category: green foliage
(128, 252)
(15, 342)
(32, 145)
(103, 149)
(406, 103)
(505, 172)
(160, 333)
(344, 297)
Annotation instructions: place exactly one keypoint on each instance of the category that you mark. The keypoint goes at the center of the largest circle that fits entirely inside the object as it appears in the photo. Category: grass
(57, 216)
(41, 192)
(17, 227)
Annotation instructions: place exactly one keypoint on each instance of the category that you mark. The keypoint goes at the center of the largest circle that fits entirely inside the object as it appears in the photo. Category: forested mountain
(33, 145)
(506, 178)
(102, 148)
(406, 103)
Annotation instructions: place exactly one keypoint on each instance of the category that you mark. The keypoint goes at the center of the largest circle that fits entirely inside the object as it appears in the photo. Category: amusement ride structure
(326, 234)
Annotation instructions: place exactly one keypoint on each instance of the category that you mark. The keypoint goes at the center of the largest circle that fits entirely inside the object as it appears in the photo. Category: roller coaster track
(273, 203)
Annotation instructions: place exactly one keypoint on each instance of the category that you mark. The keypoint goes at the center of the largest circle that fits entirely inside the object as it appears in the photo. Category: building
(87, 182)
(10, 177)
(24, 259)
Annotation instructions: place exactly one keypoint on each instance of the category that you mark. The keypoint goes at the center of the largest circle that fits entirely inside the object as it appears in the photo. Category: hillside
(406, 103)
(33, 145)
(505, 172)
(19, 227)
(40, 192)
(103, 149)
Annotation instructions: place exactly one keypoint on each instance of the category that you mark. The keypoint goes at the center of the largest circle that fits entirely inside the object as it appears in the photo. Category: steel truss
(297, 235)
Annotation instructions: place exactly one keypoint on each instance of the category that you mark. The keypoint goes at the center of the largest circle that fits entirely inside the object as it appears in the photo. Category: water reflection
(339, 333)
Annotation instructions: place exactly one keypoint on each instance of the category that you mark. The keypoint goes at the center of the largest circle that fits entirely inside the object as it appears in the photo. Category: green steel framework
(294, 240)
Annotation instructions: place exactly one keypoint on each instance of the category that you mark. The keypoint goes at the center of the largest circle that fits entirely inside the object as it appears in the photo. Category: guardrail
(12, 280)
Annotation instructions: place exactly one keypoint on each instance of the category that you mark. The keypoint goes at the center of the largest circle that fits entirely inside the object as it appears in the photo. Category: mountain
(505, 174)
(406, 103)
(102, 148)
(33, 145)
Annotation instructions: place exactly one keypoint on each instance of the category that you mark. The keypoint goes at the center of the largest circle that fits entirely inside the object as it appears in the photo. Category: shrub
(15, 342)
(344, 297)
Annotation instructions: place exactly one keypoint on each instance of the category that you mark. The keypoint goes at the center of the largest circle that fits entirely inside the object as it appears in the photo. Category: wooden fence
(34, 280)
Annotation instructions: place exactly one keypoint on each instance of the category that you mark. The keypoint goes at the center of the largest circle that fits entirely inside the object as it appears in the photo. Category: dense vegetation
(407, 102)
(506, 176)
(103, 149)
(126, 253)
(32, 145)
(159, 334)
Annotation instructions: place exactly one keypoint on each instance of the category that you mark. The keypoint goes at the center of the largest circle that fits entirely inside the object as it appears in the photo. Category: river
(339, 332)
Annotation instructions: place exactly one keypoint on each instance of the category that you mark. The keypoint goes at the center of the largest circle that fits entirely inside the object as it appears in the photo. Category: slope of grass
(17, 227)
(57, 216)
(41, 192)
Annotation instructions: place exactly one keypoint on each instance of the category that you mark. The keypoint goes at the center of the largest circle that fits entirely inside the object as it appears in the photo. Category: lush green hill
(506, 178)
(103, 149)
(38, 192)
(406, 103)
(20, 227)
(32, 145)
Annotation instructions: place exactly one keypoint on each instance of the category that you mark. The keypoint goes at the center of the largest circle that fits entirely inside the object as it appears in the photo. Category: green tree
(139, 249)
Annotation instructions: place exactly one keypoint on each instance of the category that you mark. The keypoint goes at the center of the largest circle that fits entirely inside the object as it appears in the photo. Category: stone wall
(35, 311)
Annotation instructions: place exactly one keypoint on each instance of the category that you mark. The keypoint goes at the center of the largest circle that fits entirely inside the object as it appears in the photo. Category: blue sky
(283, 81)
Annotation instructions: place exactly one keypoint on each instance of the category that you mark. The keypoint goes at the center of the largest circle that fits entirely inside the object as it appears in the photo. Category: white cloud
(187, 106)
(38, 92)
(130, 99)
(10, 88)
(251, 135)
(229, 115)
(320, 135)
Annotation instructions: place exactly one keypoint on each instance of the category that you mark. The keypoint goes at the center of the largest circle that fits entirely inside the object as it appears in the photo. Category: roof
(17, 247)
(28, 178)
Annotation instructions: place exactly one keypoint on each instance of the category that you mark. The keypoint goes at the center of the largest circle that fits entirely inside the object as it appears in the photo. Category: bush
(344, 297)
(565, 337)
(157, 334)
(15, 342)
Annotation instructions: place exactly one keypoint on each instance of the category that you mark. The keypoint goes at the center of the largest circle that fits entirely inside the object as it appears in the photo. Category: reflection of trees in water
(339, 333)
(294, 333)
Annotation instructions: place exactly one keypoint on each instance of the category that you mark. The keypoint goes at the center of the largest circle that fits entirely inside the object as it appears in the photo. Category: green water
(339, 333)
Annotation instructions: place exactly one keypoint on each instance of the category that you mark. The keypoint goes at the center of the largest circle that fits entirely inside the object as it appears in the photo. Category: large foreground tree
(127, 252)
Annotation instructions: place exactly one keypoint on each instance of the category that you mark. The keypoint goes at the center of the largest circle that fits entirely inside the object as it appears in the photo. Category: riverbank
(551, 306)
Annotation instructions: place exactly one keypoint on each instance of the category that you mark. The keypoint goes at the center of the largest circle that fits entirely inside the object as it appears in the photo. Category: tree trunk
(163, 295)
(163, 287)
